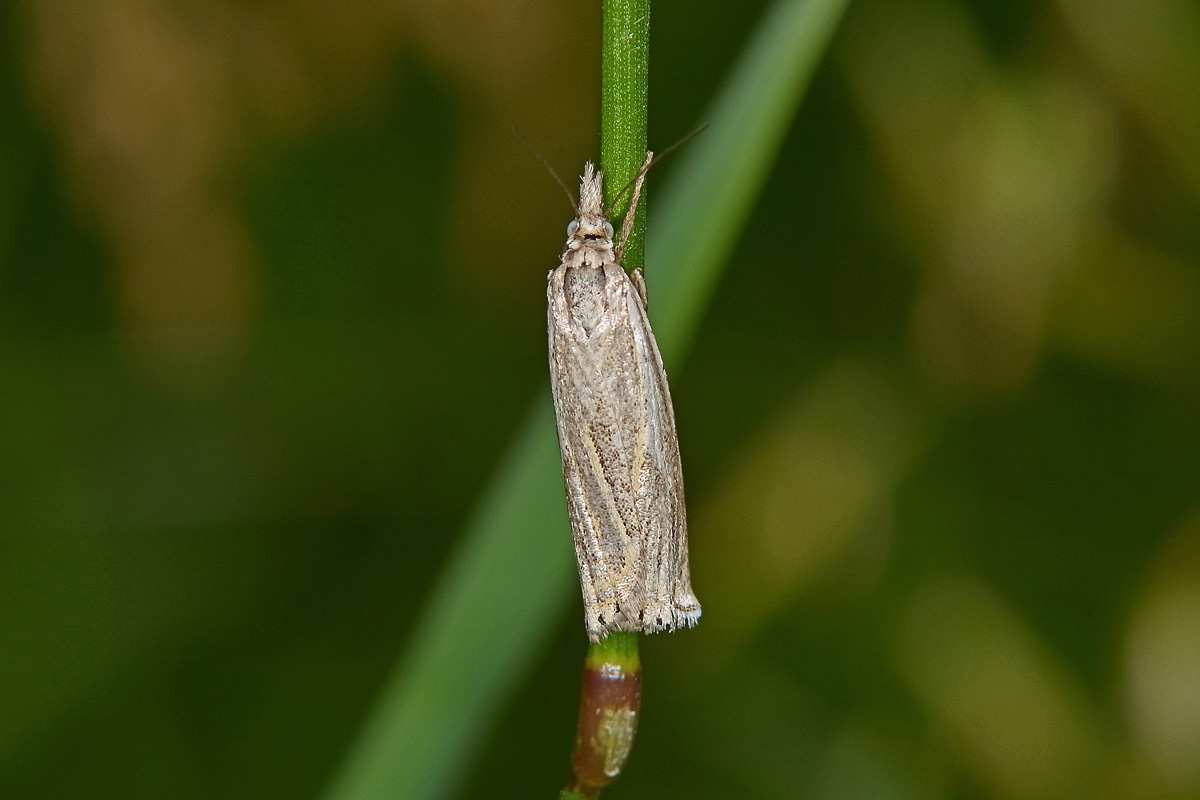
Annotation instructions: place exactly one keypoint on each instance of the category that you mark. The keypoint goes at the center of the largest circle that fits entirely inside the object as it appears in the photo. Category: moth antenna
(538, 155)
(646, 167)
(641, 174)
(699, 129)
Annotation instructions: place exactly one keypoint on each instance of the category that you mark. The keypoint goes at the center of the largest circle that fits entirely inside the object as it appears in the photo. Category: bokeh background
(272, 308)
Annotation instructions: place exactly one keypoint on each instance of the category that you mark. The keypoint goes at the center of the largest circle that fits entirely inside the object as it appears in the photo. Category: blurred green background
(272, 309)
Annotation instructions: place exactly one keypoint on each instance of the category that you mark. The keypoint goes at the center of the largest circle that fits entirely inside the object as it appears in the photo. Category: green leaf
(699, 215)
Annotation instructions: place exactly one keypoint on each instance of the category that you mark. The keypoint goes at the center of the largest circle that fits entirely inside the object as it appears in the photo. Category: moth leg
(639, 283)
(627, 225)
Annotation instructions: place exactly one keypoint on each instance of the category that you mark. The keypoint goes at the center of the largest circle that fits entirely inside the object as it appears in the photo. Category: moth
(616, 430)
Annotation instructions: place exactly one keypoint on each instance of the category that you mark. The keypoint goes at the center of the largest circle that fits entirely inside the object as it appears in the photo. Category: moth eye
(608, 229)
(572, 226)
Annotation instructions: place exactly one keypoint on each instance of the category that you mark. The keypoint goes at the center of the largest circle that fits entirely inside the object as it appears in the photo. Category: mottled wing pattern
(670, 601)
(620, 462)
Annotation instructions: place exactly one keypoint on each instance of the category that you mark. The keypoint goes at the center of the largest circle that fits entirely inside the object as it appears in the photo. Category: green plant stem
(610, 698)
(624, 90)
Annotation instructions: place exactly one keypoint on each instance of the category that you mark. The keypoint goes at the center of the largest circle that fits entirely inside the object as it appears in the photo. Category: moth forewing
(616, 432)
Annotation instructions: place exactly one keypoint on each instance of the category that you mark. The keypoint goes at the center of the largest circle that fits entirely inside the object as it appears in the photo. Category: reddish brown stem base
(609, 707)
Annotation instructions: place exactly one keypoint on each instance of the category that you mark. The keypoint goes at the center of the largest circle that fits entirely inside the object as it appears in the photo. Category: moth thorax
(584, 288)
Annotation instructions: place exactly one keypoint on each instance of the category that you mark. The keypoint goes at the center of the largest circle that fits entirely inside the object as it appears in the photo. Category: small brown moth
(616, 431)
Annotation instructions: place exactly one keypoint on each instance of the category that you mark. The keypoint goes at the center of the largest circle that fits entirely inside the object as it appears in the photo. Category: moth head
(589, 223)
(589, 229)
